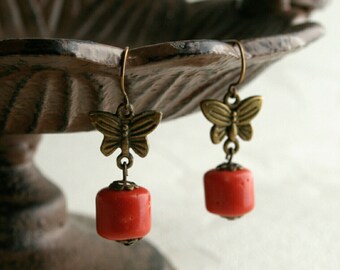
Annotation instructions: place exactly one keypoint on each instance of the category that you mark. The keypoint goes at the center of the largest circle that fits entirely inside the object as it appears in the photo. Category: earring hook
(122, 76)
(232, 91)
(243, 63)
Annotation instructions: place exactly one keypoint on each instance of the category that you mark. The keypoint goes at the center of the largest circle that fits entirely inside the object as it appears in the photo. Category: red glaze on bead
(229, 193)
(123, 215)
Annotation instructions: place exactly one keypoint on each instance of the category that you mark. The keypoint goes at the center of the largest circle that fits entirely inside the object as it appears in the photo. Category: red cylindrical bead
(229, 193)
(123, 215)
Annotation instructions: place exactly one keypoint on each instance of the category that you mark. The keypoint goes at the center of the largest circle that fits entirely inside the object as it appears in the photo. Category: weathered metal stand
(49, 86)
(37, 233)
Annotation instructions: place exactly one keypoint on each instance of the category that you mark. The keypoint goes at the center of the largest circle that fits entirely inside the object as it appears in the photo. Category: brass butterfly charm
(231, 120)
(125, 130)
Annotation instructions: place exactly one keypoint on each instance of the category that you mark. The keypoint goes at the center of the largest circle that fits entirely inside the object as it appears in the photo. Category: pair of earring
(123, 210)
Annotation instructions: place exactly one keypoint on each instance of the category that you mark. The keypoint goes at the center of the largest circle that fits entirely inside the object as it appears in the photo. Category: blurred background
(294, 155)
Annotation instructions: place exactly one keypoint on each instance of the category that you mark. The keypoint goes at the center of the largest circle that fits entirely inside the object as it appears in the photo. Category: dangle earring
(229, 188)
(123, 211)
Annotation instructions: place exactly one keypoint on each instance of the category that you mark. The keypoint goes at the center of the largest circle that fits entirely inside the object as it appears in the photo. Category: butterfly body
(232, 130)
(231, 120)
(125, 131)
(125, 144)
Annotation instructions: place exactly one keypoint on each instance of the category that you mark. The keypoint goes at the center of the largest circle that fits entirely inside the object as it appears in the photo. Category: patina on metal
(231, 117)
(229, 166)
(129, 242)
(125, 130)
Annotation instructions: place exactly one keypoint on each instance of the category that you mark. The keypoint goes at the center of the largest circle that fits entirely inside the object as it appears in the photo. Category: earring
(229, 188)
(123, 211)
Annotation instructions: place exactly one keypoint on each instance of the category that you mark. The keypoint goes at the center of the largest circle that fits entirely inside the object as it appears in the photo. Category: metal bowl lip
(90, 59)
(103, 54)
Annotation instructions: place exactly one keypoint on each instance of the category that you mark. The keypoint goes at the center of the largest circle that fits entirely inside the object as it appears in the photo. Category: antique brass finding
(243, 63)
(124, 129)
(122, 77)
(231, 117)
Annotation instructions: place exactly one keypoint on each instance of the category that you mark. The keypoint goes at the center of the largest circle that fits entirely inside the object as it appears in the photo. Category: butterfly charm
(125, 131)
(231, 120)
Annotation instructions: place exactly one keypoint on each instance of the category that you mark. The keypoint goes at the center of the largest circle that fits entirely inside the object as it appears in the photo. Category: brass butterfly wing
(109, 124)
(216, 112)
(246, 111)
(219, 114)
(245, 132)
(217, 134)
(141, 125)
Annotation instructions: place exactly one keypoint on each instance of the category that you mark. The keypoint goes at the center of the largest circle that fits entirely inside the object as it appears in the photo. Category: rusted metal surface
(49, 86)
(53, 88)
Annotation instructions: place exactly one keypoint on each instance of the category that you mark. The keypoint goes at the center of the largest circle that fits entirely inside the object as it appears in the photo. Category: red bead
(123, 215)
(229, 193)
